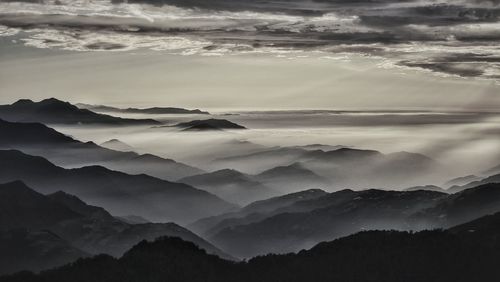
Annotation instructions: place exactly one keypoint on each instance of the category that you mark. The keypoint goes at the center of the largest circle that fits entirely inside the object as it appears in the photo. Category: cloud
(396, 30)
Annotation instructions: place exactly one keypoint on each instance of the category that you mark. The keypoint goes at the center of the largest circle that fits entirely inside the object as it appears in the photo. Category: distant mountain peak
(209, 124)
(55, 111)
(118, 145)
(152, 110)
(23, 102)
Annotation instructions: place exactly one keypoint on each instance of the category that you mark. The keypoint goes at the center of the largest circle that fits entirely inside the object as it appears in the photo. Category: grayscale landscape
(228, 140)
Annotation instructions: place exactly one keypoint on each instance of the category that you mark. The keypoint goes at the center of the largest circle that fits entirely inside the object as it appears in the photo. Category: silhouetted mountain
(208, 124)
(34, 250)
(486, 180)
(291, 178)
(459, 181)
(38, 139)
(117, 145)
(253, 212)
(120, 193)
(332, 216)
(455, 255)
(426, 188)
(231, 185)
(485, 226)
(302, 223)
(342, 167)
(98, 231)
(276, 203)
(153, 110)
(86, 227)
(80, 207)
(21, 207)
(53, 111)
(463, 206)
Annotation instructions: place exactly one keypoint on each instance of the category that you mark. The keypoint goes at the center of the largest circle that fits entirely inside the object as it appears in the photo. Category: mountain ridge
(54, 111)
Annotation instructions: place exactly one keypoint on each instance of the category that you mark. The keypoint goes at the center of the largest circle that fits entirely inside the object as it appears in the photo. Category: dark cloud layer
(430, 35)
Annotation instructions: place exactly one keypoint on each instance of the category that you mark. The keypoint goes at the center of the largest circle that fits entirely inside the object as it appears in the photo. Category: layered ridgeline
(231, 185)
(337, 168)
(241, 188)
(53, 111)
(153, 110)
(120, 193)
(38, 139)
(301, 220)
(463, 253)
(39, 231)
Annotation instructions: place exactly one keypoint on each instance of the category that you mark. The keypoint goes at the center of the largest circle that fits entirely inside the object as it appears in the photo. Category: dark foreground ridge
(40, 232)
(464, 253)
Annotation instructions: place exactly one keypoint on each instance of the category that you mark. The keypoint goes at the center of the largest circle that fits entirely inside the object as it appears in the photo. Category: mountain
(275, 203)
(15, 195)
(88, 228)
(463, 206)
(292, 178)
(117, 145)
(256, 162)
(231, 185)
(343, 213)
(426, 188)
(23, 249)
(38, 139)
(486, 180)
(486, 225)
(344, 167)
(153, 110)
(208, 151)
(253, 212)
(53, 111)
(120, 193)
(208, 124)
(455, 255)
(459, 181)
(303, 223)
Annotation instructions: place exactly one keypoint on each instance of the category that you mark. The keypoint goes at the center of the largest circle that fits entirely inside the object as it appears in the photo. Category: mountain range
(476, 182)
(241, 188)
(38, 139)
(253, 212)
(343, 167)
(53, 111)
(62, 227)
(463, 253)
(231, 185)
(153, 110)
(120, 193)
(303, 223)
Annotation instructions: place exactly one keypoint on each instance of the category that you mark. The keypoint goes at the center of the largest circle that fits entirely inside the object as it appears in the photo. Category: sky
(232, 82)
(224, 54)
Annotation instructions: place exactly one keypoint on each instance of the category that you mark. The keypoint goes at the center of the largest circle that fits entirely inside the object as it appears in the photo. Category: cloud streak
(458, 38)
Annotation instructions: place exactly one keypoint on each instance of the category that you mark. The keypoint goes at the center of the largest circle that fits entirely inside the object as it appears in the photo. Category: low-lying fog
(464, 143)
